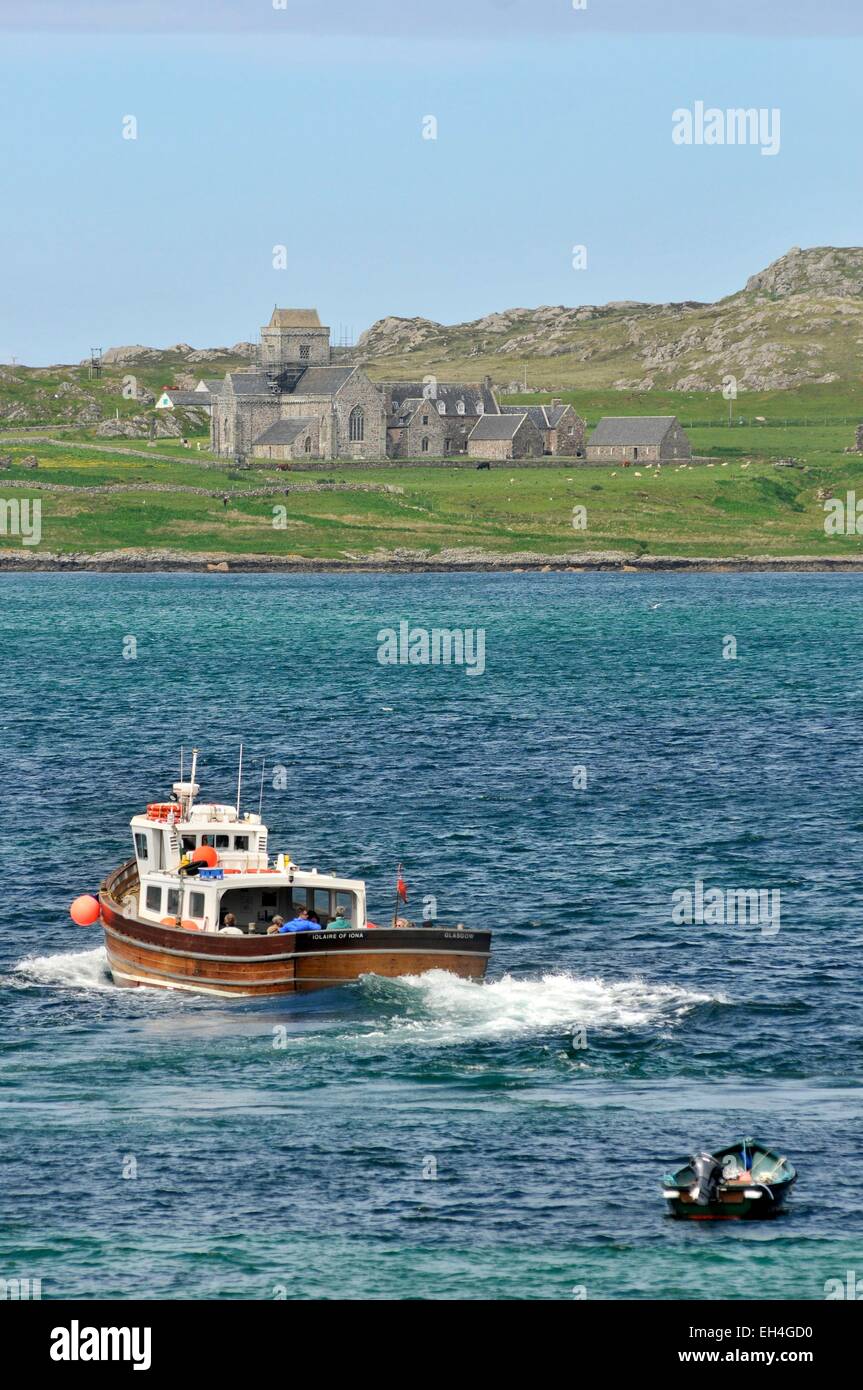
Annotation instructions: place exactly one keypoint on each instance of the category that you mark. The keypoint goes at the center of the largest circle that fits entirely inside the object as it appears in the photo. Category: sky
(302, 127)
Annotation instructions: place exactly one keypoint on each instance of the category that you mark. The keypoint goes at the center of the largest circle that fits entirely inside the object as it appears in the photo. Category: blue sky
(258, 128)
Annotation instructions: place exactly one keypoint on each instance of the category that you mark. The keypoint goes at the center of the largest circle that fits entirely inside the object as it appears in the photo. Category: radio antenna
(261, 802)
(239, 780)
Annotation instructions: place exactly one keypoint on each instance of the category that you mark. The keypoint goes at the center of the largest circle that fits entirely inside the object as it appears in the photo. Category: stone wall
(675, 445)
(237, 421)
(284, 347)
(490, 448)
(568, 438)
(410, 441)
(359, 390)
(527, 442)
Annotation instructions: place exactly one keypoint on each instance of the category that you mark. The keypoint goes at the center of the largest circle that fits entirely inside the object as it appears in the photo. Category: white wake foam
(442, 1008)
(68, 969)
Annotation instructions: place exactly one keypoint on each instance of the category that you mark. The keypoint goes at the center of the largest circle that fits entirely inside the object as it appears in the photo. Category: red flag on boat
(401, 887)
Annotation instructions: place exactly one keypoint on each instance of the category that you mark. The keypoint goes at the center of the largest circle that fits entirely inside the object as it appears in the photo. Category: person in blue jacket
(299, 923)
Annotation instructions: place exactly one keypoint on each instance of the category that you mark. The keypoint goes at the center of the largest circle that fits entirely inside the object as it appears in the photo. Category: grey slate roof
(247, 384)
(283, 431)
(498, 426)
(322, 381)
(545, 417)
(409, 408)
(314, 381)
(187, 398)
(450, 392)
(631, 429)
(213, 385)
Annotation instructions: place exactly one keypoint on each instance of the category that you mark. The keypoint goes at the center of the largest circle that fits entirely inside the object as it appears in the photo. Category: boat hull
(143, 953)
(732, 1206)
(758, 1182)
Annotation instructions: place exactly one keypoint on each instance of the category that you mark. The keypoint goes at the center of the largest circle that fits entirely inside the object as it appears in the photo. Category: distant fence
(786, 422)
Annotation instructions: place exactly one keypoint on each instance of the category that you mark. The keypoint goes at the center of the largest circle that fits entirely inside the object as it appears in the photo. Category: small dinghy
(745, 1181)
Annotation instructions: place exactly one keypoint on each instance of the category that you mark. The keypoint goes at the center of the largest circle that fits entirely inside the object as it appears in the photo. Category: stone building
(416, 428)
(288, 439)
(457, 404)
(505, 436)
(638, 439)
(297, 402)
(337, 408)
(561, 428)
(174, 398)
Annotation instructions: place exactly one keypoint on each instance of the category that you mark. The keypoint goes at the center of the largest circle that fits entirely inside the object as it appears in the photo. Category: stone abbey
(297, 402)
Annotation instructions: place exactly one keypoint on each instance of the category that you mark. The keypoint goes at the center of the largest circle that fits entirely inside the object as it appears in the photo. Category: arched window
(425, 444)
(459, 405)
(308, 444)
(357, 425)
(441, 409)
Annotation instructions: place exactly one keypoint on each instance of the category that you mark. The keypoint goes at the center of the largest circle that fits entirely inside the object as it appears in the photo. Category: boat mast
(239, 781)
(192, 783)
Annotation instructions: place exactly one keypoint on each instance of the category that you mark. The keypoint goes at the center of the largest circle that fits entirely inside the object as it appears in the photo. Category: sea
(635, 748)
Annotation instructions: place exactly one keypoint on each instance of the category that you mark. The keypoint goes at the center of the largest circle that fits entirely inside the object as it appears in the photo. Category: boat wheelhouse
(241, 881)
(193, 909)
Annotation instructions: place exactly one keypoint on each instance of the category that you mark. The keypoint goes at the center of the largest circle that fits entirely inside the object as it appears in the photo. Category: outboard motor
(708, 1172)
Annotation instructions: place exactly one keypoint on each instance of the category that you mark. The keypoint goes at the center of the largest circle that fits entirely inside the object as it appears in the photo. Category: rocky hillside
(798, 321)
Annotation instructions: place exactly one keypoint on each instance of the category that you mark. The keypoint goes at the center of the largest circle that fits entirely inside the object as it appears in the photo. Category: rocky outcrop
(798, 321)
(822, 270)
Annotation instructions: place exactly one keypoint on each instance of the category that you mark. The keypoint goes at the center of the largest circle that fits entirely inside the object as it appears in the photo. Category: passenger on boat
(299, 923)
(230, 921)
(339, 922)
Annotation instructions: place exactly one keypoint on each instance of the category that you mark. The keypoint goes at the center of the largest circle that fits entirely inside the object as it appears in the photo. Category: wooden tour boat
(746, 1181)
(195, 863)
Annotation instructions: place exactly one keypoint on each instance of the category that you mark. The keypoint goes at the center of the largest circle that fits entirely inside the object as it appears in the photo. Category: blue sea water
(430, 1137)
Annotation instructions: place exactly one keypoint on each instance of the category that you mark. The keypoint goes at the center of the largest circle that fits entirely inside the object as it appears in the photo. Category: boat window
(141, 844)
(196, 904)
(321, 898)
(346, 902)
(173, 901)
(206, 839)
(299, 897)
(269, 899)
(189, 842)
(241, 842)
(154, 898)
(223, 842)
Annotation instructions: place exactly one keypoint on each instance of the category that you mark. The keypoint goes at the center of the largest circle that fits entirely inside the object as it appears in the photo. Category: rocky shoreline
(411, 562)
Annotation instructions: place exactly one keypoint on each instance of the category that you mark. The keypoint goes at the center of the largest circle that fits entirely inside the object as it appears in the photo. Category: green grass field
(742, 505)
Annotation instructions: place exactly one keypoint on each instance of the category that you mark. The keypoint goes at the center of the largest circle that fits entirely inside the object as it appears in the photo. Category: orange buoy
(85, 910)
(205, 854)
